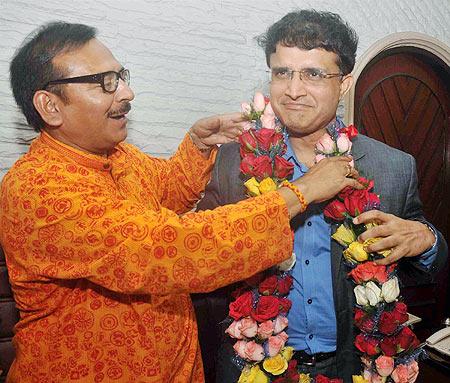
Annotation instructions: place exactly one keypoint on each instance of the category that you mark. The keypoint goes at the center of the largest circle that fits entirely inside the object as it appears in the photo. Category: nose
(295, 86)
(124, 92)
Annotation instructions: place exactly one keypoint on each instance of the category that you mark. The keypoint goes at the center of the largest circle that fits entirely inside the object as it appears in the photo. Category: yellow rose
(287, 352)
(344, 235)
(304, 378)
(355, 252)
(275, 365)
(253, 187)
(267, 185)
(359, 379)
(369, 241)
(253, 375)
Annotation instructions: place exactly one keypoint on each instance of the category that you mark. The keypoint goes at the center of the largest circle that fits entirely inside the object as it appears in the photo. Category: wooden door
(402, 99)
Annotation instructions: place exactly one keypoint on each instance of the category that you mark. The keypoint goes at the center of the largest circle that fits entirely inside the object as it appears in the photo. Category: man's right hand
(327, 178)
(322, 182)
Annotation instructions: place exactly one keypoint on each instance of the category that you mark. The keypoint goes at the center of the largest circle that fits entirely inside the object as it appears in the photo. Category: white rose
(288, 264)
(360, 294)
(373, 293)
(390, 290)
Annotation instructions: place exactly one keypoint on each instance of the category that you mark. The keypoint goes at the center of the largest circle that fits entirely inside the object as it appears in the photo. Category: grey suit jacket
(395, 176)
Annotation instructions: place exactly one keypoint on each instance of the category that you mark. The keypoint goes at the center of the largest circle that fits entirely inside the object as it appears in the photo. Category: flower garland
(259, 311)
(389, 348)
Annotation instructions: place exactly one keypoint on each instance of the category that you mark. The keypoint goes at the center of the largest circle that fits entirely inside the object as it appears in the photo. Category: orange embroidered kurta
(102, 262)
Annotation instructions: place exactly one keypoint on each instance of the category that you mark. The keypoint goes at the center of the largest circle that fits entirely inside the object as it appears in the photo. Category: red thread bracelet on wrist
(298, 193)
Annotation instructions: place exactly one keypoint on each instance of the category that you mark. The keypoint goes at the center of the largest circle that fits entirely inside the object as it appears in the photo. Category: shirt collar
(86, 159)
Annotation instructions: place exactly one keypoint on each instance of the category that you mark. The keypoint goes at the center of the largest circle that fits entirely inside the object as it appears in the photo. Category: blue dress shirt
(312, 319)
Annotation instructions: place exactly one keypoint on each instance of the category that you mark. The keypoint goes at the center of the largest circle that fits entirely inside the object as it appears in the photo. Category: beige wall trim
(401, 39)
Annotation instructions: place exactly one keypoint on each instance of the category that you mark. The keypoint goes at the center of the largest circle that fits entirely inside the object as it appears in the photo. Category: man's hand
(220, 129)
(404, 237)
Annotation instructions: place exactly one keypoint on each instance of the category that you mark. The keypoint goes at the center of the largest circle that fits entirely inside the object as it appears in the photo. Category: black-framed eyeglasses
(109, 81)
(312, 76)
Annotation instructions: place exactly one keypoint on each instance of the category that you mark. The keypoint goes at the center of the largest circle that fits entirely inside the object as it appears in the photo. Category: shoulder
(370, 150)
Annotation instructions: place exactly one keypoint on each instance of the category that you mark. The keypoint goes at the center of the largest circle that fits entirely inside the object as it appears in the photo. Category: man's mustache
(124, 108)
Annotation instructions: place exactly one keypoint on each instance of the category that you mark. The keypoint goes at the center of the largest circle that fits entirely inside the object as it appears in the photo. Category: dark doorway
(402, 99)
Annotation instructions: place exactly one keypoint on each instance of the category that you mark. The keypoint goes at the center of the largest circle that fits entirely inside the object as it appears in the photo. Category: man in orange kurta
(100, 256)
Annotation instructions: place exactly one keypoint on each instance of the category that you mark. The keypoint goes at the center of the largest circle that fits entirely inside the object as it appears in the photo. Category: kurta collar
(86, 159)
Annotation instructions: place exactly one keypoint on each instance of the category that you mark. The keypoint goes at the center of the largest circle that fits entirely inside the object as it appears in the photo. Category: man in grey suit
(311, 55)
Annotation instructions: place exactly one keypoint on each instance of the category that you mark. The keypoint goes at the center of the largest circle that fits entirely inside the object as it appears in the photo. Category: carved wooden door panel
(402, 99)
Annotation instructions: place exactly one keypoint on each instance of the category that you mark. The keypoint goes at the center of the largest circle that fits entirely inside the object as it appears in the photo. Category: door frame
(395, 40)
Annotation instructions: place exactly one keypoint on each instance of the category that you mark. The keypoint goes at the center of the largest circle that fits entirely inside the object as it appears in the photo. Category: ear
(48, 106)
(346, 84)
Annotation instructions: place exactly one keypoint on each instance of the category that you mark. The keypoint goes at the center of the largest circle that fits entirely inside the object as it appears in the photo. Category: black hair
(32, 65)
(310, 29)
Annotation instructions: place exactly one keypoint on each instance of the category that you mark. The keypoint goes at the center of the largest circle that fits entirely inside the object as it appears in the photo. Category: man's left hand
(220, 129)
(404, 237)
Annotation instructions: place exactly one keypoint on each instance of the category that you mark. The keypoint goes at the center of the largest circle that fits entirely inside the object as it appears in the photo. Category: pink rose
(265, 329)
(249, 327)
(343, 143)
(234, 330)
(249, 350)
(259, 102)
(254, 351)
(385, 365)
(246, 109)
(276, 343)
(319, 157)
(400, 374)
(280, 323)
(413, 371)
(239, 348)
(326, 144)
(268, 118)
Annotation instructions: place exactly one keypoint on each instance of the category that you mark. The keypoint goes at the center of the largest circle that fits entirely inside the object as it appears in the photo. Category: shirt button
(309, 223)
(105, 166)
(311, 336)
(309, 301)
(307, 261)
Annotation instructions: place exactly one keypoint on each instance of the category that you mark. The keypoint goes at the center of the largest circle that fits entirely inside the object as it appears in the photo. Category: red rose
(284, 285)
(367, 183)
(242, 306)
(267, 308)
(323, 379)
(267, 138)
(282, 168)
(367, 344)
(388, 345)
(367, 271)
(248, 163)
(350, 131)
(356, 201)
(248, 141)
(363, 321)
(259, 167)
(400, 312)
(285, 305)
(335, 210)
(407, 339)
(387, 324)
(268, 285)
(373, 202)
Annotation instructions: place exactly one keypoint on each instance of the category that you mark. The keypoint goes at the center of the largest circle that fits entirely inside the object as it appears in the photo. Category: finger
(371, 216)
(383, 244)
(395, 255)
(353, 183)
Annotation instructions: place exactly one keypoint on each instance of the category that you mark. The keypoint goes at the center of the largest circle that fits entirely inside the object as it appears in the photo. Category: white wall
(189, 58)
